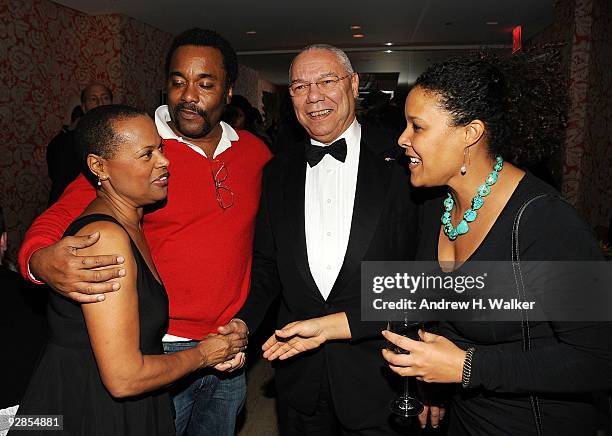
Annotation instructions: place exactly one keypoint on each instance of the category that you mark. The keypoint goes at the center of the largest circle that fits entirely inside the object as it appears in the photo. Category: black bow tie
(315, 153)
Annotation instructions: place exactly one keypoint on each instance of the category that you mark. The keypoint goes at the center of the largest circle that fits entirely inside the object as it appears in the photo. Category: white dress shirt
(162, 118)
(328, 209)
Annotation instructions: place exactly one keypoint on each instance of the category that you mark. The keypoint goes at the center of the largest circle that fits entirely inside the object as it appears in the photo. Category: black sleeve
(581, 358)
(361, 330)
(265, 282)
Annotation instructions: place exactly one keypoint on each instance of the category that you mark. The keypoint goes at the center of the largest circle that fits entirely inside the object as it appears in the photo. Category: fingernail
(100, 297)
(121, 272)
(120, 259)
(116, 286)
(94, 235)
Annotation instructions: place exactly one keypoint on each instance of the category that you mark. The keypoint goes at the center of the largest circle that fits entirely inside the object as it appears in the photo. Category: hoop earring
(464, 166)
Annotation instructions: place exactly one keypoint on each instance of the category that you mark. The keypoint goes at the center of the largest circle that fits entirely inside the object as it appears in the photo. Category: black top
(23, 323)
(567, 362)
(67, 381)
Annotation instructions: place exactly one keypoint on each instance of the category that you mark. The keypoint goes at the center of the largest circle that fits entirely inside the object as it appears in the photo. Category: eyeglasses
(225, 196)
(325, 85)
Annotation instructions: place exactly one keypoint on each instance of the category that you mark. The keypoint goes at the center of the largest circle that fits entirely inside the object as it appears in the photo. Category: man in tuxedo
(327, 204)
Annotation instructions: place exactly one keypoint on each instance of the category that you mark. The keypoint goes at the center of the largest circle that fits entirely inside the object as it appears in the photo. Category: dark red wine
(396, 349)
(408, 329)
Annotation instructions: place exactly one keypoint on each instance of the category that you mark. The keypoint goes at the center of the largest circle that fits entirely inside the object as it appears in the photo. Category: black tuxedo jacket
(383, 228)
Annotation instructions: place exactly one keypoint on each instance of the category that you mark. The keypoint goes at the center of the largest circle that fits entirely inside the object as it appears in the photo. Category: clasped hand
(234, 329)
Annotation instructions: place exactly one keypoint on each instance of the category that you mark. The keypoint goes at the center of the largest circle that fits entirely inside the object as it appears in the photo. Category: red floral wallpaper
(48, 53)
(143, 54)
(596, 176)
(584, 30)
(587, 175)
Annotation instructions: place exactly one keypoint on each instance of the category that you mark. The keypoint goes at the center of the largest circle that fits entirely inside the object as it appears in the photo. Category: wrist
(33, 273)
(324, 328)
(334, 327)
(202, 357)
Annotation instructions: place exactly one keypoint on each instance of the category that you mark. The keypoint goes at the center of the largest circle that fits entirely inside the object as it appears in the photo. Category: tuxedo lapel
(294, 188)
(373, 179)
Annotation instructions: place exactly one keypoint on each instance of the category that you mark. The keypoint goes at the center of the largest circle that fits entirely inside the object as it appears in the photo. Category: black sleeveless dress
(67, 381)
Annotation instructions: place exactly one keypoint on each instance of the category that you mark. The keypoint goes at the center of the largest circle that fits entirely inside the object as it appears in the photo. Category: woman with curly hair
(472, 124)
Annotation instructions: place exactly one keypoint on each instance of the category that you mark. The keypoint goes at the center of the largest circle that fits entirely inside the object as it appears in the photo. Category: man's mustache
(191, 107)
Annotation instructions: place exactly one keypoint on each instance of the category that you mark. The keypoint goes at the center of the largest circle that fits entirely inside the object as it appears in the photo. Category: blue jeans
(207, 402)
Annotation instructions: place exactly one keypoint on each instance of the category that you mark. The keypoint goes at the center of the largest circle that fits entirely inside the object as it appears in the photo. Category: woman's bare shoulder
(112, 237)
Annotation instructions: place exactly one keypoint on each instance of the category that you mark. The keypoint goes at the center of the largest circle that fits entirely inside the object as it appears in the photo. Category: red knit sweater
(202, 252)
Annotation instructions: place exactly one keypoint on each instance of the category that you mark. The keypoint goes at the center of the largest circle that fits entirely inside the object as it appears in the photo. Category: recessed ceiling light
(251, 32)
(358, 35)
(492, 23)
(388, 51)
(355, 27)
(388, 43)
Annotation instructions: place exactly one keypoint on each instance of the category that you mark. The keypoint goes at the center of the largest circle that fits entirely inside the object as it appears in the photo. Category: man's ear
(3, 243)
(230, 93)
(474, 132)
(95, 164)
(355, 84)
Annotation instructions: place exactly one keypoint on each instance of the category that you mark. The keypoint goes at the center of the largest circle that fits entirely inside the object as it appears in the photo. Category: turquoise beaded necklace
(477, 202)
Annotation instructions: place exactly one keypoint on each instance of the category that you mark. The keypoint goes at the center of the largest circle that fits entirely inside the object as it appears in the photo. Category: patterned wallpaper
(596, 177)
(584, 30)
(247, 85)
(143, 54)
(48, 53)
(251, 85)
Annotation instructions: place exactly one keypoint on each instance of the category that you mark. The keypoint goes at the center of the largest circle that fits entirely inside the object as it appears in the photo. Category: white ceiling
(422, 31)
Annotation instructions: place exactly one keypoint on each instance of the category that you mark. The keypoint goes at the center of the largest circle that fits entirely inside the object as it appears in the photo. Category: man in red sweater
(201, 239)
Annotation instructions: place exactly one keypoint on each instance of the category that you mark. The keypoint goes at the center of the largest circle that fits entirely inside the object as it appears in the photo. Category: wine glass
(405, 405)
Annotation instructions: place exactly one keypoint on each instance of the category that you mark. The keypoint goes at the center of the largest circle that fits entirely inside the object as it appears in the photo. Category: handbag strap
(520, 290)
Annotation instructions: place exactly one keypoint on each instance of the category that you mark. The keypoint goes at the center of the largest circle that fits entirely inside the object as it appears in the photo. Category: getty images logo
(414, 283)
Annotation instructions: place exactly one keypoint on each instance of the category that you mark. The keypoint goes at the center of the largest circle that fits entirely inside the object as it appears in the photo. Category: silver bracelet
(467, 367)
